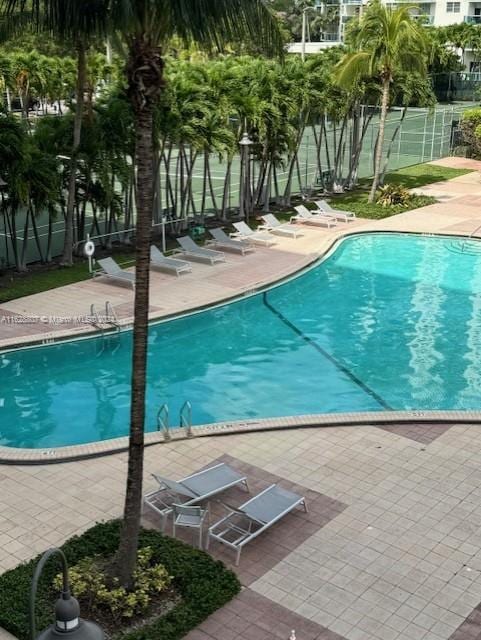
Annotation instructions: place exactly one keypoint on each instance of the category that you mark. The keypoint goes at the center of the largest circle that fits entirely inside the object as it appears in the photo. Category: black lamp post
(245, 188)
(68, 623)
(3, 186)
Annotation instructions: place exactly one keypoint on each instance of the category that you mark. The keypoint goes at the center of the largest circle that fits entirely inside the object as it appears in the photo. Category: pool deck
(390, 548)
(64, 311)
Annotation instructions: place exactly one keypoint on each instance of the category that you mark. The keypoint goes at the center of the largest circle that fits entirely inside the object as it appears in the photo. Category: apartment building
(438, 13)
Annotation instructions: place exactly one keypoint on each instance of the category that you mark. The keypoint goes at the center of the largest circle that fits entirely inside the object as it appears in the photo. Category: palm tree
(385, 43)
(146, 26)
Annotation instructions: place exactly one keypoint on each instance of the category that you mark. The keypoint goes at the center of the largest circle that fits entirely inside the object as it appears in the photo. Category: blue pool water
(386, 321)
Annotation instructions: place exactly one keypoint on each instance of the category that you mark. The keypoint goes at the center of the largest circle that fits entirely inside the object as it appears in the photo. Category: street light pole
(68, 623)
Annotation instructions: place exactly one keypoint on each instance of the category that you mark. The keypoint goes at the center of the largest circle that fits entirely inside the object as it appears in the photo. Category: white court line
(6, 235)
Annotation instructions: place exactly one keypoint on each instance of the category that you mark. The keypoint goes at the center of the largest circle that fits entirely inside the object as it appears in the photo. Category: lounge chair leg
(207, 542)
(173, 529)
(246, 486)
(200, 537)
(304, 505)
(237, 558)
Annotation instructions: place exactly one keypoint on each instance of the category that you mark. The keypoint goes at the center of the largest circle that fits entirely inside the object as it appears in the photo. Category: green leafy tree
(385, 43)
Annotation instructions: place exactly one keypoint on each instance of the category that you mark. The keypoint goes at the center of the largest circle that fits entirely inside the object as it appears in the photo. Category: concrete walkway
(62, 311)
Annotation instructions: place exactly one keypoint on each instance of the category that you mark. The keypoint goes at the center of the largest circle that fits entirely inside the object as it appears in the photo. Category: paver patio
(402, 560)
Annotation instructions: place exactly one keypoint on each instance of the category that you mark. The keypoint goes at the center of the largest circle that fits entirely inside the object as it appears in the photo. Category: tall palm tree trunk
(380, 140)
(67, 256)
(145, 82)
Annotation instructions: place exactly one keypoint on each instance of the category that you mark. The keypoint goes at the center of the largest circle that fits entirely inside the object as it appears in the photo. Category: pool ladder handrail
(163, 421)
(110, 313)
(96, 319)
(185, 418)
(471, 235)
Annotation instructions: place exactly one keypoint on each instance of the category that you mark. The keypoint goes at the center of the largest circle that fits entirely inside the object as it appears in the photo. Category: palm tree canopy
(385, 41)
(212, 23)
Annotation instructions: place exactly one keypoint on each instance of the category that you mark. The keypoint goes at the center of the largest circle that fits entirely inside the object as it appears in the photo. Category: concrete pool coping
(55, 455)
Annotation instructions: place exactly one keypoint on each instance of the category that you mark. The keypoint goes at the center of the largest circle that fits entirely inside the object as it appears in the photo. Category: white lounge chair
(325, 207)
(194, 252)
(222, 240)
(110, 269)
(252, 518)
(307, 217)
(170, 265)
(274, 225)
(256, 237)
(193, 489)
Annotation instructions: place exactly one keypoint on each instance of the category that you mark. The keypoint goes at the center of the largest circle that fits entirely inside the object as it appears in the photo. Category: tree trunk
(144, 71)
(67, 256)
(380, 140)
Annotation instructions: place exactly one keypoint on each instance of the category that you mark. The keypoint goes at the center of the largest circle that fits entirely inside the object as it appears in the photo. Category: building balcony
(425, 18)
(472, 19)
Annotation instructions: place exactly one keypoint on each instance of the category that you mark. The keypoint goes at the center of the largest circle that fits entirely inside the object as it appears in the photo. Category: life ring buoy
(89, 249)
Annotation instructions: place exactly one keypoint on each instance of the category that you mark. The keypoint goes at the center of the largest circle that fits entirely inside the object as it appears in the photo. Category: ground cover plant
(193, 586)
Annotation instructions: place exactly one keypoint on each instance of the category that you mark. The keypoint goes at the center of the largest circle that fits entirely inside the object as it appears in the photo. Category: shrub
(470, 126)
(97, 593)
(391, 195)
(203, 583)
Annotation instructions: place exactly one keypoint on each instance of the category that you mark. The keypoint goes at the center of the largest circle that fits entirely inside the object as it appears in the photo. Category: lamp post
(245, 189)
(3, 186)
(68, 623)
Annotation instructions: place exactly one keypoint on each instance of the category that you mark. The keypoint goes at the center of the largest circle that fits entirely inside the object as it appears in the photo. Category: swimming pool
(386, 321)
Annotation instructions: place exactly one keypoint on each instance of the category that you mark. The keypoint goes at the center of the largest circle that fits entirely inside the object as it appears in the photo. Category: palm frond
(212, 23)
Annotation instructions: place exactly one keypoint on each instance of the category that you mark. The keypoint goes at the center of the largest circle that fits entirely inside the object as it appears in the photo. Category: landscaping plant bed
(199, 585)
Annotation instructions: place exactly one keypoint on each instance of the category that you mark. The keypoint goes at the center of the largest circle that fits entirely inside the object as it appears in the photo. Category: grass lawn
(421, 174)
(16, 285)
(410, 177)
(356, 201)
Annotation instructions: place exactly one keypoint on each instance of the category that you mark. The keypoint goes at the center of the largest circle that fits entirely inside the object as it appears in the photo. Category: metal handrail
(97, 323)
(163, 421)
(186, 422)
(110, 313)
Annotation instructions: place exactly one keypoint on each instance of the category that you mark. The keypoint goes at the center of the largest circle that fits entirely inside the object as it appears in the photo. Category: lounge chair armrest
(294, 218)
(236, 234)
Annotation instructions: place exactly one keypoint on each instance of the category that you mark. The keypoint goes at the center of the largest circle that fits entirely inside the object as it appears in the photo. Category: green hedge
(204, 584)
